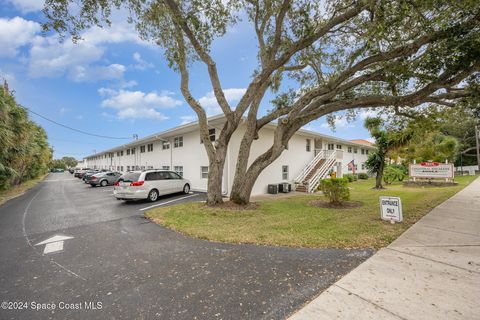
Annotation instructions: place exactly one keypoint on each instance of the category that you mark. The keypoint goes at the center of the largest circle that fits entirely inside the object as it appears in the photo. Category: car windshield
(130, 177)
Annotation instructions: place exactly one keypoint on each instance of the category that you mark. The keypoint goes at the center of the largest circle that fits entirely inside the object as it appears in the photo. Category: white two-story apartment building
(310, 156)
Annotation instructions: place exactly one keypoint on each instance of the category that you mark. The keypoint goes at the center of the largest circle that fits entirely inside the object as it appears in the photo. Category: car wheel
(186, 188)
(104, 183)
(93, 185)
(153, 195)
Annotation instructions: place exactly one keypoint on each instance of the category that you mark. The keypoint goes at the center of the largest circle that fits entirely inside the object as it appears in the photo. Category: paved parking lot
(129, 268)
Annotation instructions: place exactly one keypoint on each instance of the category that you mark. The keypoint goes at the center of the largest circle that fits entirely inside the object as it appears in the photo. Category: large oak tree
(338, 55)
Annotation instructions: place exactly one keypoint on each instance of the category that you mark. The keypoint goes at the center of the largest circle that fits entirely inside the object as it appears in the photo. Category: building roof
(216, 121)
(363, 141)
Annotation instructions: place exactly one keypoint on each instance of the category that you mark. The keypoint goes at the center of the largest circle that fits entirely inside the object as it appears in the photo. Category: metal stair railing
(320, 155)
(313, 182)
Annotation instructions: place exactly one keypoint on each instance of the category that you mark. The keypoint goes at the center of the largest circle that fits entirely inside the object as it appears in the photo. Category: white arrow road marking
(163, 203)
(53, 244)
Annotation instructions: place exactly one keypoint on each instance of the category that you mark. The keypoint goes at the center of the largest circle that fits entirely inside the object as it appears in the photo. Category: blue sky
(114, 84)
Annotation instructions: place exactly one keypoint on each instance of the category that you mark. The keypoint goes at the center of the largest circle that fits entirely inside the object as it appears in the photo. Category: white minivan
(149, 184)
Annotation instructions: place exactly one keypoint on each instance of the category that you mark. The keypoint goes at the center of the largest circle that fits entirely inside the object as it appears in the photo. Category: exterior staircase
(318, 169)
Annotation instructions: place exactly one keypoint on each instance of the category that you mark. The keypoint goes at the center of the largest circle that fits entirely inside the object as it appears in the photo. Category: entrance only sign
(391, 209)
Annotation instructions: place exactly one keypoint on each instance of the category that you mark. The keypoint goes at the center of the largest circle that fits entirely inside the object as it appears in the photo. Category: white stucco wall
(193, 155)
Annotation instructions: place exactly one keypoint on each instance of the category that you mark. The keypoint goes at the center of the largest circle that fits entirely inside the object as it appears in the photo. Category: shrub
(392, 174)
(363, 176)
(335, 189)
(350, 177)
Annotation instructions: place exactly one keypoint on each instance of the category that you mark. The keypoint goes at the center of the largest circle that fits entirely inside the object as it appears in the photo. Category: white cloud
(209, 102)
(138, 104)
(63, 110)
(89, 73)
(26, 6)
(81, 61)
(15, 33)
(140, 63)
(364, 114)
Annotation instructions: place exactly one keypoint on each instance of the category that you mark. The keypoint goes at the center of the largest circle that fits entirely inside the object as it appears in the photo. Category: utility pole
(477, 139)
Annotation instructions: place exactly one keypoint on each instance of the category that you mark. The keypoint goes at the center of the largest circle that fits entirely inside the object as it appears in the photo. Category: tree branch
(204, 56)
(193, 103)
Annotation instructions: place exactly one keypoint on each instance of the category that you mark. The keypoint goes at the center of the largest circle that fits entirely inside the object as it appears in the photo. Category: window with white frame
(142, 149)
(133, 150)
(309, 145)
(363, 166)
(178, 142)
(128, 152)
(166, 167)
(331, 146)
(211, 135)
(366, 151)
(350, 149)
(355, 150)
(363, 151)
(165, 145)
(204, 172)
(339, 146)
(179, 170)
(150, 147)
(284, 172)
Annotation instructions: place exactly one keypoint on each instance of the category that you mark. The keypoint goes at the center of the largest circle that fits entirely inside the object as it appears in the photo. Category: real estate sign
(391, 209)
(431, 170)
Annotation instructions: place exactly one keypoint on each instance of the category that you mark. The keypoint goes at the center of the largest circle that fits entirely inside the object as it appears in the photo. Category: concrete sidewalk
(432, 271)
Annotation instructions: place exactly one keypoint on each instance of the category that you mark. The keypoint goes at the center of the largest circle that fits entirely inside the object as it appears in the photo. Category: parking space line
(161, 204)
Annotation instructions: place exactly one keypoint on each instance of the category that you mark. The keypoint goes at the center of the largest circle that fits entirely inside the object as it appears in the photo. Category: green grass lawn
(293, 222)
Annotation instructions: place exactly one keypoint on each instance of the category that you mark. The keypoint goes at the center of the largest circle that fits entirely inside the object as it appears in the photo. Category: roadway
(115, 264)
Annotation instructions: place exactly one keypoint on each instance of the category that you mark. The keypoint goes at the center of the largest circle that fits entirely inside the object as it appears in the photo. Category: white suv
(149, 184)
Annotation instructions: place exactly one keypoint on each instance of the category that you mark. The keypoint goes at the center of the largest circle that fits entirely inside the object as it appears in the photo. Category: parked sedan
(87, 174)
(149, 184)
(104, 179)
(78, 173)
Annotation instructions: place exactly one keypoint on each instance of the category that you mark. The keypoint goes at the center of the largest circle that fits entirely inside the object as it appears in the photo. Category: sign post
(391, 209)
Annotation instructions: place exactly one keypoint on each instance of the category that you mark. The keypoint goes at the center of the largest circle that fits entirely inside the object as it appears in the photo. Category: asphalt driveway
(114, 264)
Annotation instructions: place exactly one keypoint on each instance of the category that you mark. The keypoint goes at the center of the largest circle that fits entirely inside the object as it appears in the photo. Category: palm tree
(24, 150)
(386, 140)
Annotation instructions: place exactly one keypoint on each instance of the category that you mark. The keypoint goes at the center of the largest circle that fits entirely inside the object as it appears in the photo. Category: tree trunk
(378, 179)
(244, 181)
(237, 194)
(243, 184)
(215, 174)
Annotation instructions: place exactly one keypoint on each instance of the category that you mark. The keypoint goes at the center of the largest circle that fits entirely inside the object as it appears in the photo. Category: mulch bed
(329, 205)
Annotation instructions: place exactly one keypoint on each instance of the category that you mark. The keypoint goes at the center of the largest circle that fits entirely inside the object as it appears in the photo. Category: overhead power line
(77, 130)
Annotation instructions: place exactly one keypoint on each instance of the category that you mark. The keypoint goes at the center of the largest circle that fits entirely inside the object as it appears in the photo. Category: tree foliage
(24, 150)
(70, 162)
(337, 54)
(432, 146)
(392, 174)
(57, 164)
(387, 139)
